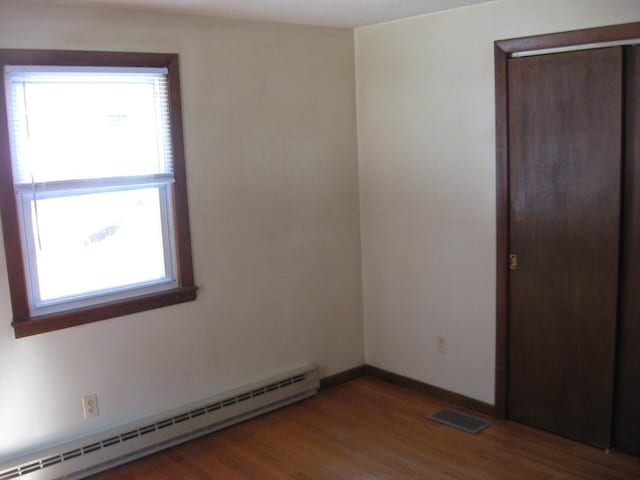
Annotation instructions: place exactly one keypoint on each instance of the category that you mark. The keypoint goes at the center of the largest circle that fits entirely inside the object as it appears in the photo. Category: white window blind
(88, 127)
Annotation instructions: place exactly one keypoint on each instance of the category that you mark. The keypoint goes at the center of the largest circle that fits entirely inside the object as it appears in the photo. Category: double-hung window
(98, 218)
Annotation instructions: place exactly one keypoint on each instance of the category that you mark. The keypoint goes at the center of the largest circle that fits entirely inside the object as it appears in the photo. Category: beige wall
(427, 189)
(269, 118)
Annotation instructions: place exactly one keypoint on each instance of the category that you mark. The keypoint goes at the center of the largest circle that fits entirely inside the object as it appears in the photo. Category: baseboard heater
(104, 450)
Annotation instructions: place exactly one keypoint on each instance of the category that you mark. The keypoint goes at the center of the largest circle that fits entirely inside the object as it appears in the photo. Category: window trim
(23, 322)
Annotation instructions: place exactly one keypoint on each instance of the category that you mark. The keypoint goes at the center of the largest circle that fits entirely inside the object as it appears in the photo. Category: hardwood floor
(369, 429)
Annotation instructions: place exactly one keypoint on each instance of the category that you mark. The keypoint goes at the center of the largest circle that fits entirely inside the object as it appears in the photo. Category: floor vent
(463, 421)
(108, 449)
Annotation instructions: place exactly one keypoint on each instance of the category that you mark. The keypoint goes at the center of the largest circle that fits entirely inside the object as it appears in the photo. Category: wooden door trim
(502, 51)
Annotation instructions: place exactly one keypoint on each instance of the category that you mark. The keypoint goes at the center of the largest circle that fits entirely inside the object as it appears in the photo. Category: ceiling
(334, 13)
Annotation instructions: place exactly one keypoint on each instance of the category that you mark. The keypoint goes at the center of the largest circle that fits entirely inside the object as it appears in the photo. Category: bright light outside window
(118, 234)
(93, 172)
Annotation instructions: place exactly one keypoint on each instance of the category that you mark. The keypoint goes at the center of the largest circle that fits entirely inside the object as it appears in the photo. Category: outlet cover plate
(90, 405)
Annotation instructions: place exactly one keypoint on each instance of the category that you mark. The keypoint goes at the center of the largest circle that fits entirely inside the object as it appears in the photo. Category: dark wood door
(565, 137)
(627, 411)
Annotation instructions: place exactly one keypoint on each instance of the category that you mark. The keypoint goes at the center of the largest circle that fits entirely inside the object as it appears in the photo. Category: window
(94, 208)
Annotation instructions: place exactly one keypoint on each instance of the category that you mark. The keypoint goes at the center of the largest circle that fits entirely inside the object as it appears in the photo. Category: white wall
(425, 96)
(269, 119)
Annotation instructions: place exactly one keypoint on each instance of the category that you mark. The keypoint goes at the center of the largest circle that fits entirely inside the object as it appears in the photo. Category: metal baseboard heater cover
(92, 454)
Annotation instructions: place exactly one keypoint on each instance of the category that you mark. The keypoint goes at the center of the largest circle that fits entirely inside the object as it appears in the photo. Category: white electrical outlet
(442, 344)
(90, 405)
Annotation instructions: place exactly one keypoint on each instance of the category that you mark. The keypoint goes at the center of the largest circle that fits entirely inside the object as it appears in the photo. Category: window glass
(85, 244)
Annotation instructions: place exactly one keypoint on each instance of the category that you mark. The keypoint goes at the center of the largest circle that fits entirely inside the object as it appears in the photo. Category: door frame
(503, 49)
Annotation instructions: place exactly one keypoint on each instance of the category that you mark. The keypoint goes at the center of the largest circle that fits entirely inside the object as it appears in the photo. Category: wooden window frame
(503, 49)
(24, 322)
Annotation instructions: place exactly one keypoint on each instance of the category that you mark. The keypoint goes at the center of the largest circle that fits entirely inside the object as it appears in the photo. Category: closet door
(565, 137)
(627, 416)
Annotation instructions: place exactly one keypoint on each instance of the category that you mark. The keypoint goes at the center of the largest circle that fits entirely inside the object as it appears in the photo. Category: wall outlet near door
(442, 344)
(90, 405)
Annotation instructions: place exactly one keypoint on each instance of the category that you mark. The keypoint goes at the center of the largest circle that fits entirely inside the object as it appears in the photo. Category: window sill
(71, 318)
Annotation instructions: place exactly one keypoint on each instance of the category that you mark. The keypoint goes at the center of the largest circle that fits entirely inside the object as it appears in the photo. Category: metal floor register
(463, 421)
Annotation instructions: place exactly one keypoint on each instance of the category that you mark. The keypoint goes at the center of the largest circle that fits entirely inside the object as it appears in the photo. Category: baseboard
(431, 390)
(342, 377)
(410, 384)
(87, 455)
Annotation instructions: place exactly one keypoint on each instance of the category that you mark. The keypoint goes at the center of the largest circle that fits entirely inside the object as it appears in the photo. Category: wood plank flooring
(369, 429)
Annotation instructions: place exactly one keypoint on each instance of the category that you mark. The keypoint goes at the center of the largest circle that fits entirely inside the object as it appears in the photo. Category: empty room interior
(271, 239)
